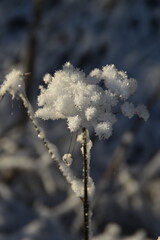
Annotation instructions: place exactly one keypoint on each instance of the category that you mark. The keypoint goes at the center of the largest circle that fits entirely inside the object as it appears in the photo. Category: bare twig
(31, 48)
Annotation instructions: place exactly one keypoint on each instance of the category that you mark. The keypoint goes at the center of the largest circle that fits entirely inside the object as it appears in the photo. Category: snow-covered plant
(14, 84)
(84, 101)
(88, 100)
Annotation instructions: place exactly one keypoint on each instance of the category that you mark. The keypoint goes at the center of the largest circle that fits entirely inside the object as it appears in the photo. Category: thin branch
(76, 184)
(1, 98)
(86, 183)
(31, 48)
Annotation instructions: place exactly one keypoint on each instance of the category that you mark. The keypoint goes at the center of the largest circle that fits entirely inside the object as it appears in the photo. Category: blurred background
(39, 36)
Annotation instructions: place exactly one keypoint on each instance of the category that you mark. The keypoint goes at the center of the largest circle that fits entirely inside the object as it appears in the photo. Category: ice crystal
(128, 109)
(103, 130)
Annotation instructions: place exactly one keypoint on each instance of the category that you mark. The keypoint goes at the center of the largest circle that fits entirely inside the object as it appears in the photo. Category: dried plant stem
(52, 150)
(67, 173)
(31, 48)
(85, 179)
(39, 131)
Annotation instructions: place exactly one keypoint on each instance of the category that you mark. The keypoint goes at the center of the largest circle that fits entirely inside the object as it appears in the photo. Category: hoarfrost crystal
(142, 111)
(67, 159)
(88, 100)
(128, 109)
(13, 83)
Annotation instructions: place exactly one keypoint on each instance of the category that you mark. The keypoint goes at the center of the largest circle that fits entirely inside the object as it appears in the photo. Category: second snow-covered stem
(76, 184)
(86, 206)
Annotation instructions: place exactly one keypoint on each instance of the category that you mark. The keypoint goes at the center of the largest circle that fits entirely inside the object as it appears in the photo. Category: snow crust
(86, 101)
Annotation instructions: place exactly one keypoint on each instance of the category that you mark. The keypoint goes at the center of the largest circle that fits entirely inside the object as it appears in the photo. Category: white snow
(142, 111)
(103, 130)
(74, 123)
(84, 102)
(128, 109)
(90, 113)
(67, 159)
(13, 83)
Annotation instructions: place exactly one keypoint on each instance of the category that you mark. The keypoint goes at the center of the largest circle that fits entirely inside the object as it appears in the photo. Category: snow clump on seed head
(87, 100)
(14, 83)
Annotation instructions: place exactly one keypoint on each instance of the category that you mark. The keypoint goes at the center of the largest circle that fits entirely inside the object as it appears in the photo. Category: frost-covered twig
(86, 143)
(76, 184)
(14, 85)
(86, 205)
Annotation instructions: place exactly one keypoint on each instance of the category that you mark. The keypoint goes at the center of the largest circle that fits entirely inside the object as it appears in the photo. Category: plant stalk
(86, 206)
